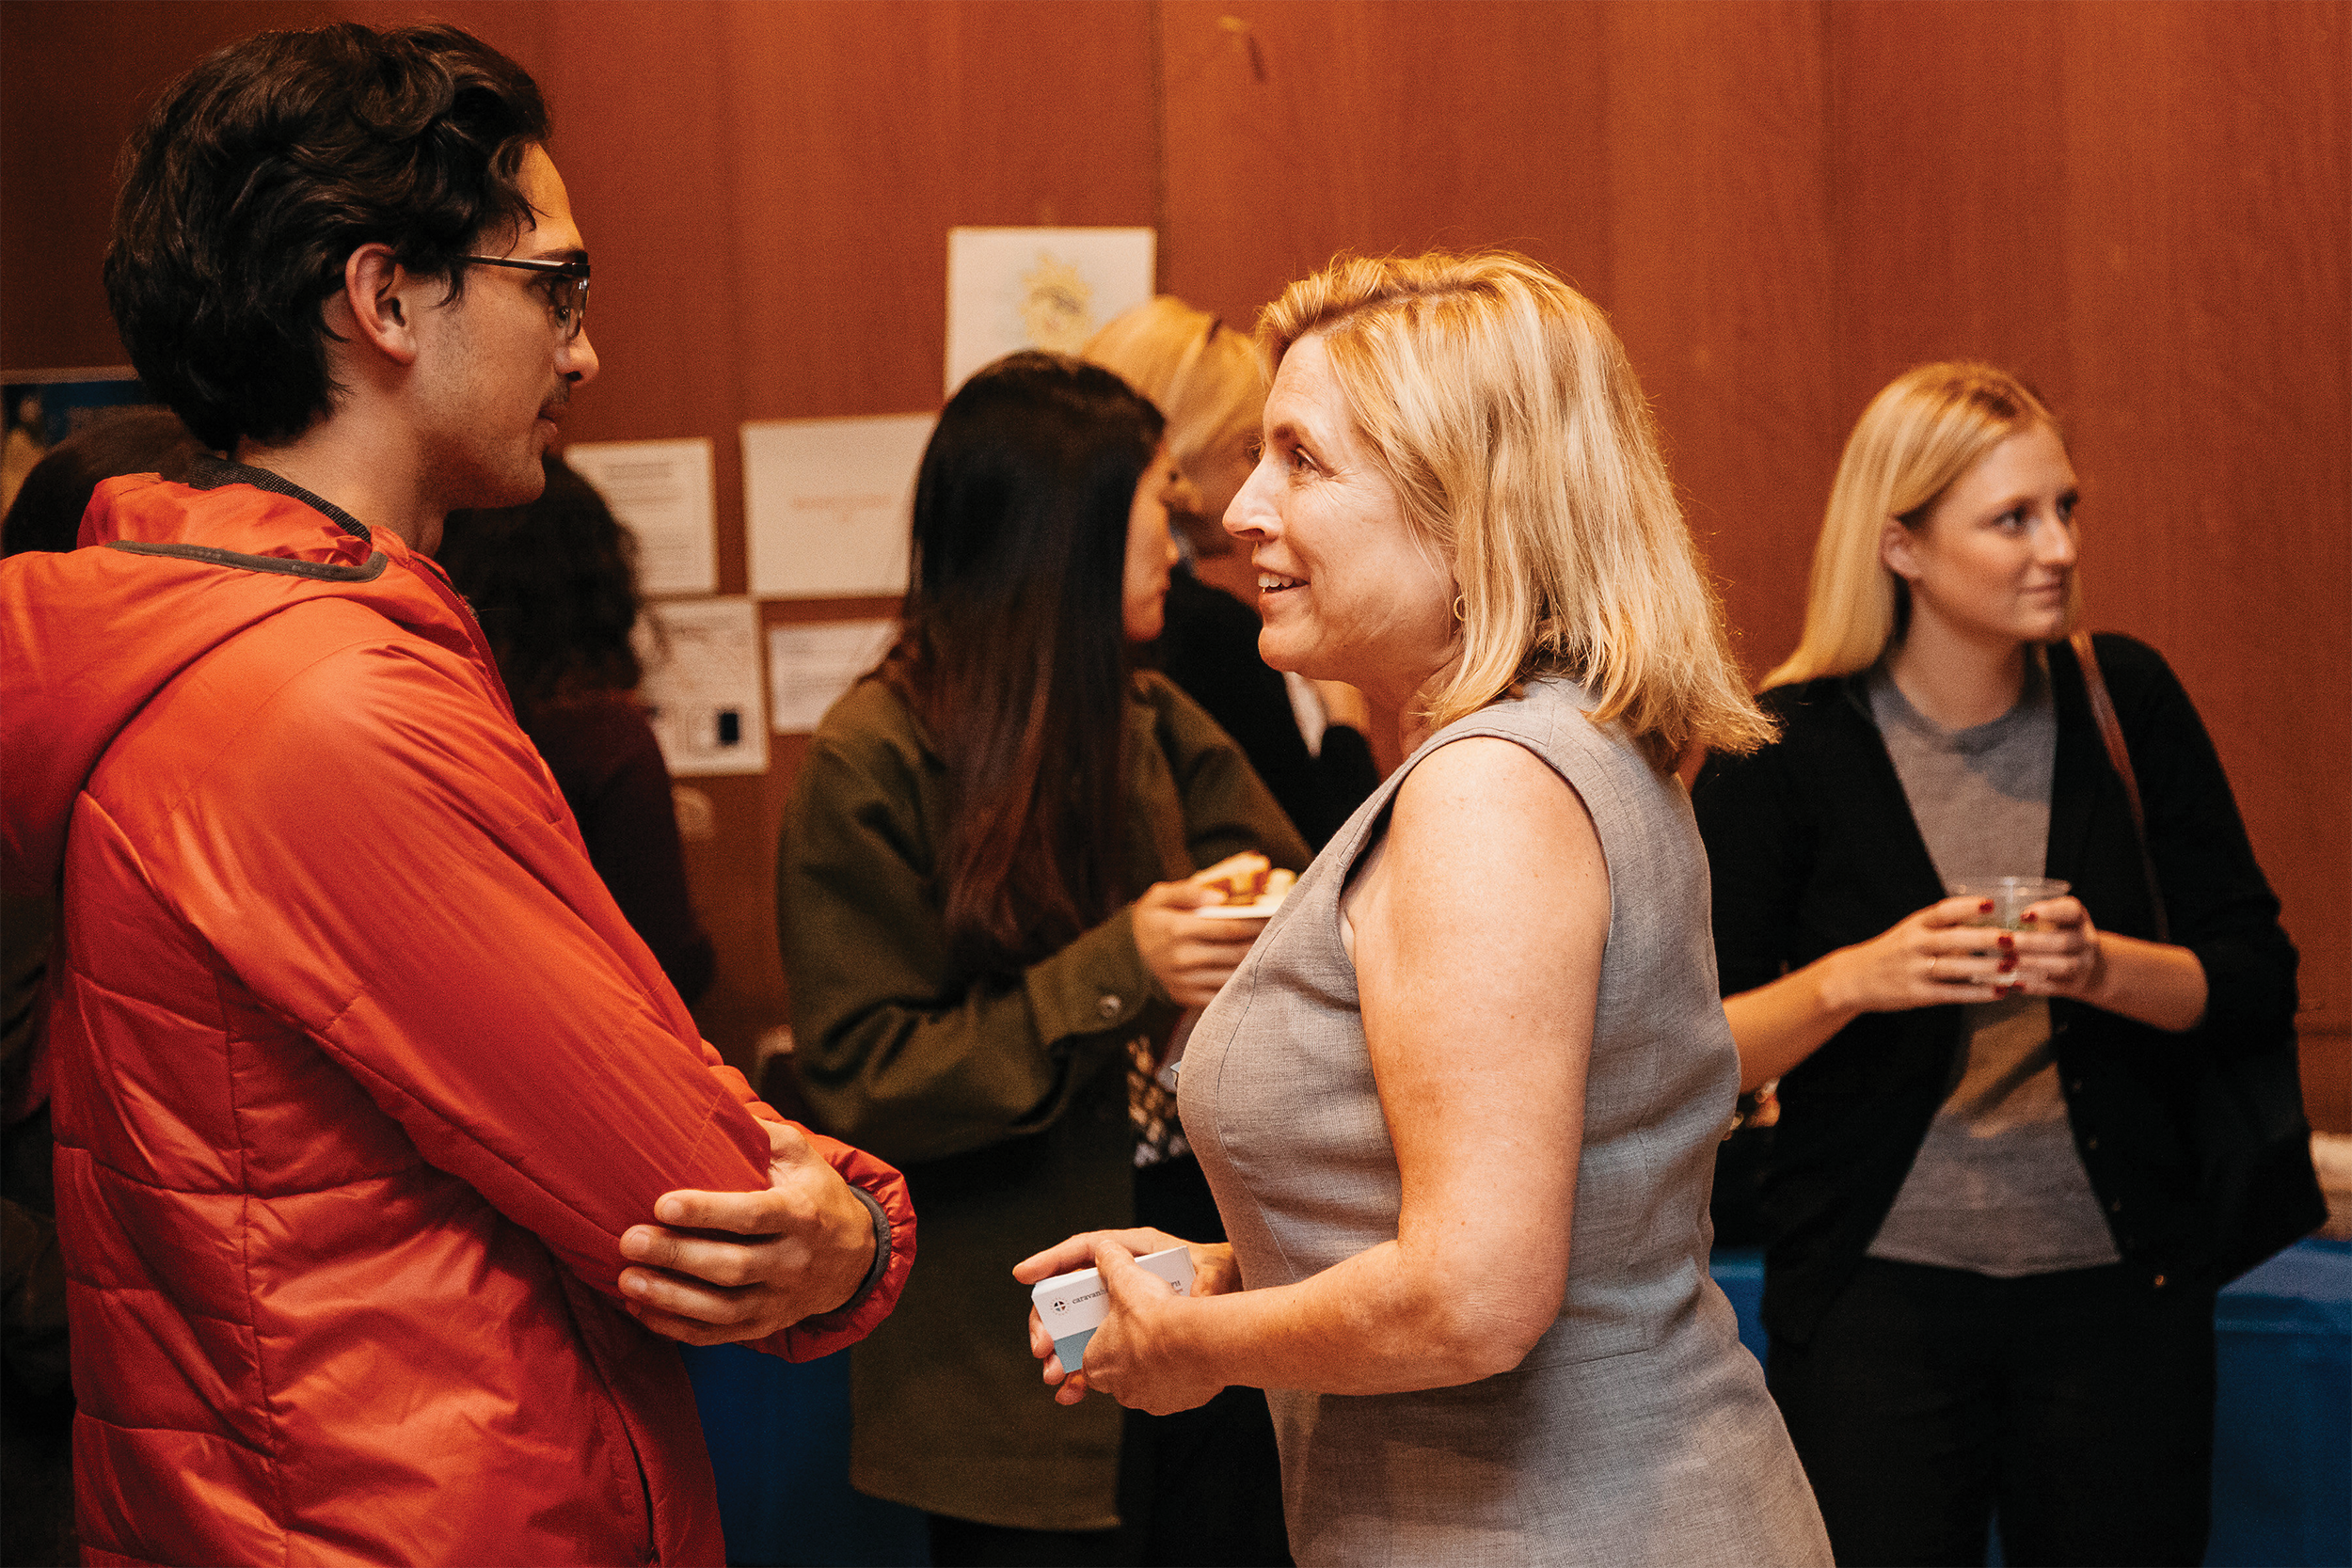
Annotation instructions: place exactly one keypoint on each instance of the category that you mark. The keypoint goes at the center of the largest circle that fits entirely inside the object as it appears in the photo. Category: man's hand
(727, 1267)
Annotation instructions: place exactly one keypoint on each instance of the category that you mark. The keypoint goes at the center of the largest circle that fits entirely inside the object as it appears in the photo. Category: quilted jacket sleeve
(379, 854)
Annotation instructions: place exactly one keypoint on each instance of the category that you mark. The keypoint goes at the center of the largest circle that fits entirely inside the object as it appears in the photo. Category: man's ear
(380, 300)
(1899, 550)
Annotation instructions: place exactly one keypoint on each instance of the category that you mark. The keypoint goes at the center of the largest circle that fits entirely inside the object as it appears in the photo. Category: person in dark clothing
(554, 582)
(36, 1388)
(1990, 1271)
(1305, 739)
(1210, 649)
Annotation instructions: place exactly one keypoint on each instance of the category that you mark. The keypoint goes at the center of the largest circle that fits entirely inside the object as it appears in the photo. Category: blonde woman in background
(1990, 1278)
(1305, 739)
(1460, 1104)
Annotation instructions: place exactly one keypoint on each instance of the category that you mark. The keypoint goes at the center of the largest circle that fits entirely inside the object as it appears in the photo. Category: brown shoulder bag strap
(2111, 731)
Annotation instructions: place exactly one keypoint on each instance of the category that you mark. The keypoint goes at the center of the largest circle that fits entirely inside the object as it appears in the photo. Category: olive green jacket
(1004, 1100)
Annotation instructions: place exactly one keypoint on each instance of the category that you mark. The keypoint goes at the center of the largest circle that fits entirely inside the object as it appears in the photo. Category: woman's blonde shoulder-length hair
(1501, 405)
(1928, 427)
(1209, 380)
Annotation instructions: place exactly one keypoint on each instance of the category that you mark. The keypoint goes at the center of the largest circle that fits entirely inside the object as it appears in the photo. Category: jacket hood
(166, 574)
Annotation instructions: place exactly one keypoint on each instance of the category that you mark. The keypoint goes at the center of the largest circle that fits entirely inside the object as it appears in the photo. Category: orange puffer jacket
(359, 1072)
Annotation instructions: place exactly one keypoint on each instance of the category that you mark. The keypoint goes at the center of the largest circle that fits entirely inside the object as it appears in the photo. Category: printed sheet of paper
(1037, 288)
(809, 667)
(827, 503)
(662, 491)
(702, 684)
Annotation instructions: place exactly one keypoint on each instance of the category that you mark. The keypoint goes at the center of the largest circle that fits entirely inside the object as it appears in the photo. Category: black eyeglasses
(567, 287)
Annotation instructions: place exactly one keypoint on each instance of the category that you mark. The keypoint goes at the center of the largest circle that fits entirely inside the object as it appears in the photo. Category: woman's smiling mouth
(1274, 582)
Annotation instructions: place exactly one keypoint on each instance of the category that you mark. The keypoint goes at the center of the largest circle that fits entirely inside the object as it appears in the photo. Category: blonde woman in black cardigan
(1990, 1267)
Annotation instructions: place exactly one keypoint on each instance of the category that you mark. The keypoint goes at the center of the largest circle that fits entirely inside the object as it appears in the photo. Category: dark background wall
(2141, 205)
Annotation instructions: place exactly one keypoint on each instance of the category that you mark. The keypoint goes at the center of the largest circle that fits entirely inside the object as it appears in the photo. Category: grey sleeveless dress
(1638, 1429)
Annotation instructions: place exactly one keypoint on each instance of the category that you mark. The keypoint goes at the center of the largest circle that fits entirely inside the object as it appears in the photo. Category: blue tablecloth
(2283, 1430)
(2282, 1422)
(2282, 1419)
(779, 1435)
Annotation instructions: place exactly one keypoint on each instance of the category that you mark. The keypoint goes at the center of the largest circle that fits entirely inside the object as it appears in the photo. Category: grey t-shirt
(1996, 1186)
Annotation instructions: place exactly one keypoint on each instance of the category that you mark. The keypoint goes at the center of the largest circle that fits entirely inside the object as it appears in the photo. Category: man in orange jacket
(385, 1151)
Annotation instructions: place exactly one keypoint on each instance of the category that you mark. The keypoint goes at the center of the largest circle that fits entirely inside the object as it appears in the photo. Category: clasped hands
(1938, 955)
(721, 1268)
(1137, 1355)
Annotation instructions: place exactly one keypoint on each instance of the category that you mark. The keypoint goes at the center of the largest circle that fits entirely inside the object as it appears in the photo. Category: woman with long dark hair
(986, 885)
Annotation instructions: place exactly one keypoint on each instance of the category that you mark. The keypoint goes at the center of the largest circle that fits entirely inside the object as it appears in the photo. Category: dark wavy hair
(1014, 650)
(258, 173)
(554, 582)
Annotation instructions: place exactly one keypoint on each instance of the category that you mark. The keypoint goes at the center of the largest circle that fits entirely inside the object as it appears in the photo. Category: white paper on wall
(810, 666)
(828, 501)
(702, 685)
(662, 491)
(1037, 288)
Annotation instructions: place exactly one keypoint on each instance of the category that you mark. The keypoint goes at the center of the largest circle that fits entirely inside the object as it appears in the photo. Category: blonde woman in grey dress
(1459, 1105)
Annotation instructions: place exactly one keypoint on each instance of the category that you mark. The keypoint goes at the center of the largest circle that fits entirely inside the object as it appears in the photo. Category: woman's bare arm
(1478, 946)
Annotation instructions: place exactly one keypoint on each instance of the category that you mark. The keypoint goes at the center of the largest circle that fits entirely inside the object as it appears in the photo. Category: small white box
(1072, 1305)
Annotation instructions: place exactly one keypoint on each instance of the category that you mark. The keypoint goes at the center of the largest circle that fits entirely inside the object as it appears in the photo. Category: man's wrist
(881, 1265)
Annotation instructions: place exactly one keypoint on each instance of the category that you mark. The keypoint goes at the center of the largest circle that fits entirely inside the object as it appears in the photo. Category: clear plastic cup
(2012, 898)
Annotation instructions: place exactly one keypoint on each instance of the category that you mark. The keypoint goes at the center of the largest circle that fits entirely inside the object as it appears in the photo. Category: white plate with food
(1250, 887)
(1257, 908)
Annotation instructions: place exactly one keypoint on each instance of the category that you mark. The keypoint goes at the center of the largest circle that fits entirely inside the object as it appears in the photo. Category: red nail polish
(2007, 941)
(1985, 908)
(2007, 964)
(2028, 915)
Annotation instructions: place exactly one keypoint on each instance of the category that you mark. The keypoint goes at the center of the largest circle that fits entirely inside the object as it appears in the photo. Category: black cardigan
(1812, 847)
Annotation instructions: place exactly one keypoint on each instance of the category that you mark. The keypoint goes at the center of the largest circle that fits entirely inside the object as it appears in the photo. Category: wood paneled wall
(2142, 206)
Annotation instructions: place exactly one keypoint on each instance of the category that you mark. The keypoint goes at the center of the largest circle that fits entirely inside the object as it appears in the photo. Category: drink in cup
(2012, 897)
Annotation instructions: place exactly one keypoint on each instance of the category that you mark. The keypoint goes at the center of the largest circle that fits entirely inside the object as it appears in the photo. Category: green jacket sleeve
(898, 1052)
